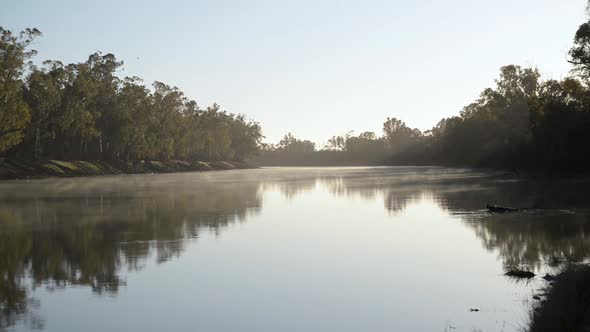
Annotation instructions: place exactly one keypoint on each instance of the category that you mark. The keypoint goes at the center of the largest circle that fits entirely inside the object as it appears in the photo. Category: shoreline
(13, 169)
(565, 302)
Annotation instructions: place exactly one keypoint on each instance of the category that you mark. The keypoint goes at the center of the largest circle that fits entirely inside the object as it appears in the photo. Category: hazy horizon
(313, 70)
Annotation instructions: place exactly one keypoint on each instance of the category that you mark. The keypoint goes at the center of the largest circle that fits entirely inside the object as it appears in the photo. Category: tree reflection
(88, 232)
(57, 234)
(554, 228)
(534, 239)
(15, 249)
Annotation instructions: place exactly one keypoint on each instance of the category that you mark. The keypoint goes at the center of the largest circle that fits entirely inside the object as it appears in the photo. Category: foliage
(293, 145)
(522, 122)
(84, 111)
(14, 112)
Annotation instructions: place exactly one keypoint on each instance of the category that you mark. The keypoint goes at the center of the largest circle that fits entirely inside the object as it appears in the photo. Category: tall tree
(14, 112)
(579, 54)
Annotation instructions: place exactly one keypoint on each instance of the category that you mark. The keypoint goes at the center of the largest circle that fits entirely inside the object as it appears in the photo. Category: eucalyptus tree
(579, 53)
(44, 94)
(14, 111)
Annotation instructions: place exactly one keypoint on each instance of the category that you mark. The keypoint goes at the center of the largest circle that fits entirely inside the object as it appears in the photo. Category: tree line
(84, 111)
(523, 121)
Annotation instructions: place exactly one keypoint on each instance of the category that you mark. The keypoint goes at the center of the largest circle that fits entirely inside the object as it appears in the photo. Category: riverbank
(566, 304)
(19, 169)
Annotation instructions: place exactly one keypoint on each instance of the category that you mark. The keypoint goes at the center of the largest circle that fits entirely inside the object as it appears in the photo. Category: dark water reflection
(60, 233)
(91, 233)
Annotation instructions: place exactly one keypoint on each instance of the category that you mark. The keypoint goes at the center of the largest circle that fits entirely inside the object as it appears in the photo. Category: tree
(44, 95)
(291, 144)
(495, 129)
(398, 136)
(336, 143)
(130, 141)
(579, 54)
(14, 112)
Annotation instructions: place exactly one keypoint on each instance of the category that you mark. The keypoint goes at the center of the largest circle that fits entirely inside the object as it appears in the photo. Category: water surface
(282, 249)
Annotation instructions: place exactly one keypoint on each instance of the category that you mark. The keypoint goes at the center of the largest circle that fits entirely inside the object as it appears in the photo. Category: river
(283, 249)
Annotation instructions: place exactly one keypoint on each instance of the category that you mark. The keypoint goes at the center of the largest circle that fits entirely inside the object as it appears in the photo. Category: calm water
(281, 249)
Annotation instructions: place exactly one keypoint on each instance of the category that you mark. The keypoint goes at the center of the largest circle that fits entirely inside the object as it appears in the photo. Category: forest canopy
(84, 111)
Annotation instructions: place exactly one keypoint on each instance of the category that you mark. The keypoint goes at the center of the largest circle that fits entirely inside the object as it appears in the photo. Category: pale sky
(315, 68)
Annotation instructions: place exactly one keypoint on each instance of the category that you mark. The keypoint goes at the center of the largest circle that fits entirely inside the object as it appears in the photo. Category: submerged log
(501, 209)
(519, 273)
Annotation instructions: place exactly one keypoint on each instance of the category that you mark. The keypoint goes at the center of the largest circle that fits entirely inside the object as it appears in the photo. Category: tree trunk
(100, 143)
(37, 143)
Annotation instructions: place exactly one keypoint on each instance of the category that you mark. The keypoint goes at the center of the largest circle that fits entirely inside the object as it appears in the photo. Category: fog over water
(282, 249)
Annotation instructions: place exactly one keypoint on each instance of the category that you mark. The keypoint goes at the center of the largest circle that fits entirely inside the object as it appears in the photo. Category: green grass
(53, 168)
(90, 166)
(70, 166)
(13, 169)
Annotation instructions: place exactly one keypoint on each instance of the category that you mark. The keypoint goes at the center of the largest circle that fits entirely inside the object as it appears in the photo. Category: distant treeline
(521, 122)
(83, 111)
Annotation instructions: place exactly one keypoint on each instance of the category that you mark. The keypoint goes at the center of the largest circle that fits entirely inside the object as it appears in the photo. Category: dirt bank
(20, 169)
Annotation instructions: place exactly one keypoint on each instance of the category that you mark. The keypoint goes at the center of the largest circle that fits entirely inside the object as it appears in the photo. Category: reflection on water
(553, 228)
(58, 234)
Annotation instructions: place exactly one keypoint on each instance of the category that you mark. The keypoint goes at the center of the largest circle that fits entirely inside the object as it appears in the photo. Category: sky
(313, 68)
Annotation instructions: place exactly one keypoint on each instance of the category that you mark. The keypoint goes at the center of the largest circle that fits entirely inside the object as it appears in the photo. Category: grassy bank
(19, 169)
(566, 306)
